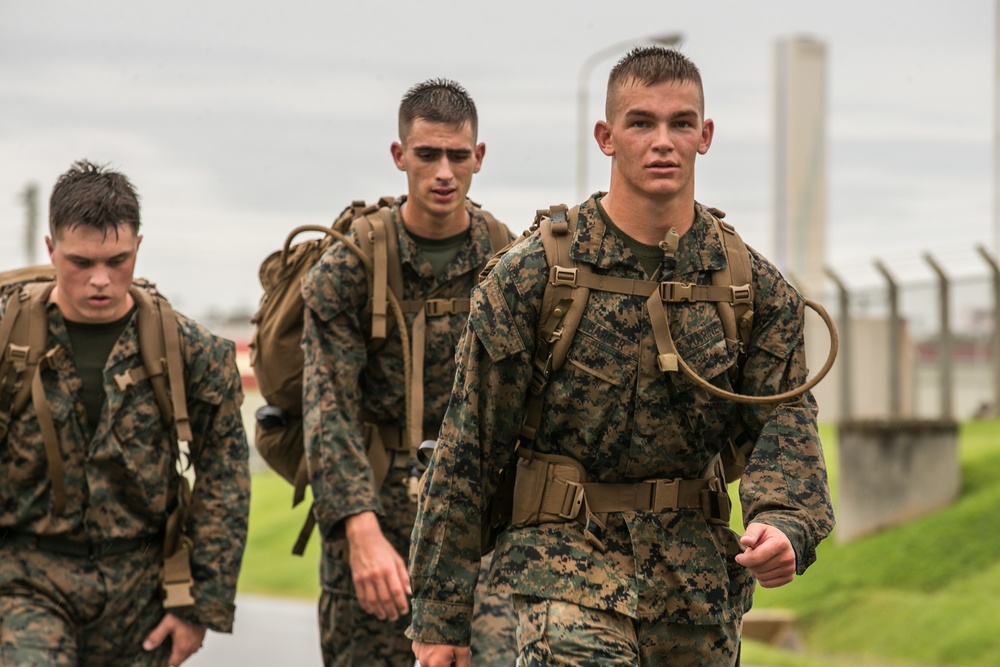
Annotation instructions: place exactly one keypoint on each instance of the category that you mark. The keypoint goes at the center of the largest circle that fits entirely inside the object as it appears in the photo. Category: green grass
(269, 568)
(923, 594)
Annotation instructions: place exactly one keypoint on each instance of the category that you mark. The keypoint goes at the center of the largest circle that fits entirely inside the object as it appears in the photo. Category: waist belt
(89, 550)
(550, 488)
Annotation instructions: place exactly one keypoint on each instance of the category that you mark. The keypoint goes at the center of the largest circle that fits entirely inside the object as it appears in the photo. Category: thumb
(752, 535)
(156, 637)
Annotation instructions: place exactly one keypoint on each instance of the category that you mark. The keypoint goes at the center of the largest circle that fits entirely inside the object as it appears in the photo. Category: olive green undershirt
(91, 345)
(440, 252)
(650, 256)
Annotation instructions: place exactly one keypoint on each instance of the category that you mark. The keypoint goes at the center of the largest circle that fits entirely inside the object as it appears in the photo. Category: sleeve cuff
(440, 623)
(212, 614)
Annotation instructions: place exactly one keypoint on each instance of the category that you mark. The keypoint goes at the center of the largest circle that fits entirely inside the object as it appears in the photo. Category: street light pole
(583, 135)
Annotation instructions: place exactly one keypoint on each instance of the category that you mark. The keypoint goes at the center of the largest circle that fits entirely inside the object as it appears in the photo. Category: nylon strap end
(667, 362)
(177, 579)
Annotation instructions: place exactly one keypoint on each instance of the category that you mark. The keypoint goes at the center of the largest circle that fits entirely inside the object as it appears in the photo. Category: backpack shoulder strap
(24, 332)
(563, 303)
(499, 237)
(162, 361)
(378, 239)
(737, 318)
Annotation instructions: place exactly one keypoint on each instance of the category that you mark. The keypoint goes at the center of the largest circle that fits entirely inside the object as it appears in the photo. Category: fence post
(946, 358)
(895, 372)
(995, 270)
(844, 326)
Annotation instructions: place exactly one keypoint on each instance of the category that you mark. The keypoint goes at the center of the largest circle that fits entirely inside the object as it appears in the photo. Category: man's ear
(397, 155)
(480, 153)
(602, 133)
(707, 132)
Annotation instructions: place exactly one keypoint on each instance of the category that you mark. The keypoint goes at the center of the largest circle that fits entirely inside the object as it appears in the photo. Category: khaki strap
(305, 533)
(667, 357)
(416, 393)
(380, 301)
(670, 292)
(499, 237)
(175, 371)
(53, 452)
(737, 322)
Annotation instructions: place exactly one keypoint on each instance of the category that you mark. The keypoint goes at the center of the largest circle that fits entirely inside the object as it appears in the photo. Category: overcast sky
(240, 120)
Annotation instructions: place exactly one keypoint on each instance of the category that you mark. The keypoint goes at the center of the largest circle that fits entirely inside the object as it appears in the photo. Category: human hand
(442, 655)
(185, 638)
(769, 555)
(380, 578)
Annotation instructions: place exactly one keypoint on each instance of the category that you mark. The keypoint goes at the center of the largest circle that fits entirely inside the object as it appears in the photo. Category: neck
(647, 220)
(418, 221)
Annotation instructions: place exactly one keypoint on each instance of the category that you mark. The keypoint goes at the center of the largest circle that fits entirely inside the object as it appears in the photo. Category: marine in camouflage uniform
(59, 604)
(354, 385)
(667, 587)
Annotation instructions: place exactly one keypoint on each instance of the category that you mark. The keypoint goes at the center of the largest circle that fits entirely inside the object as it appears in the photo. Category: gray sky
(240, 120)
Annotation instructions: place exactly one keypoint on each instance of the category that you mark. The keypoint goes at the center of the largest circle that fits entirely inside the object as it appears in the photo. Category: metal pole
(30, 197)
(946, 358)
(996, 131)
(583, 133)
(995, 361)
(844, 300)
(894, 343)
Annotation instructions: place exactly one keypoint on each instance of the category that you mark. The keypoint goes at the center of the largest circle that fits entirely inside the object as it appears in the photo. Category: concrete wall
(869, 364)
(891, 472)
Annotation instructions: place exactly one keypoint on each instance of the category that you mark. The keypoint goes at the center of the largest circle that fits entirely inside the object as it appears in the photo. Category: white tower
(800, 162)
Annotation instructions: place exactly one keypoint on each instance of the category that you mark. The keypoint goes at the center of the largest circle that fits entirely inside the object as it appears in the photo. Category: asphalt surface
(267, 632)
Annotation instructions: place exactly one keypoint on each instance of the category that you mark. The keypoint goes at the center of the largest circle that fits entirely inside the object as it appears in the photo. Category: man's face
(654, 136)
(93, 272)
(439, 161)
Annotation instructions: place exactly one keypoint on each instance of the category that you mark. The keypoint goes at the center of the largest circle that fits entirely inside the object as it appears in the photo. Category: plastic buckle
(439, 307)
(716, 506)
(559, 276)
(676, 292)
(663, 494)
(593, 530)
(540, 378)
(741, 294)
(572, 501)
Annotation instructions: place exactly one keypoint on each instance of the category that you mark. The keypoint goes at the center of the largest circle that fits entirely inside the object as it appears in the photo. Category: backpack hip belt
(551, 488)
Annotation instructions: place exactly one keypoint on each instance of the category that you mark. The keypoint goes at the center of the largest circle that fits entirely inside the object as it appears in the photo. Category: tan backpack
(275, 349)
(23, 355)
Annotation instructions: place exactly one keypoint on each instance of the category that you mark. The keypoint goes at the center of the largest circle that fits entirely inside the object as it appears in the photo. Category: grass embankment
(923, 594)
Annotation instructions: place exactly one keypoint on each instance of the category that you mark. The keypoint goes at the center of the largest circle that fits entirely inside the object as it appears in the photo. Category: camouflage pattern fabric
(610, 408)
(561, 633)
(346, 374)
(63, 611)
(120, 480)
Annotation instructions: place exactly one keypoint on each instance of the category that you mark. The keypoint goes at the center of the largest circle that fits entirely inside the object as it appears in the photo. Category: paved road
(267, 632)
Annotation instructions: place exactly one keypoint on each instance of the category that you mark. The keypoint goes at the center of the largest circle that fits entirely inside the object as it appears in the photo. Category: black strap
(90, 550)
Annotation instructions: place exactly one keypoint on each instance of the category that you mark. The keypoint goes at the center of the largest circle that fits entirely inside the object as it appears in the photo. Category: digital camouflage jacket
(121, 480)
(347, 373)
(611, 408)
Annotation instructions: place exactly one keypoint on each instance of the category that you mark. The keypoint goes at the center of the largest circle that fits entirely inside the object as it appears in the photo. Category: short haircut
(437, 101)
(92, 195)
(648, 66)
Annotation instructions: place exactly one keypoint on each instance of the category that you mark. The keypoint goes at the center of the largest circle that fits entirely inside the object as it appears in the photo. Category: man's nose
(662, 139)
(444, 170)
(99, 276)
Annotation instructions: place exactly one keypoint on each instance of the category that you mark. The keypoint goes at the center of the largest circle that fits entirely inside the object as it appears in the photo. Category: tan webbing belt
(653, 495)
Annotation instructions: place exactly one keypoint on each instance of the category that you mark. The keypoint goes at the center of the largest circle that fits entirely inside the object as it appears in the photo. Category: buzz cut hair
(92, 195)
(648, 66)
(437, 101)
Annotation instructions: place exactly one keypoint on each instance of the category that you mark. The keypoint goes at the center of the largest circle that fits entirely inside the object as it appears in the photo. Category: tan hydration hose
(784, 396)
